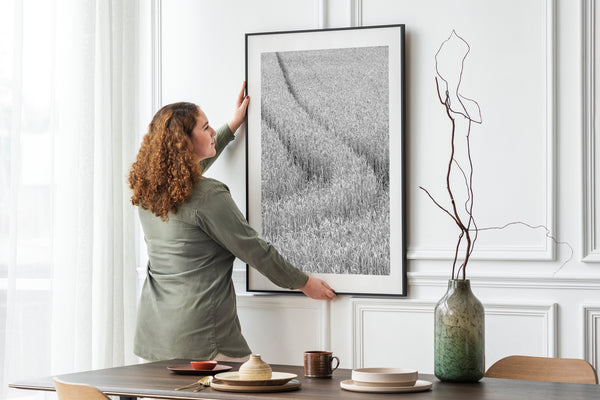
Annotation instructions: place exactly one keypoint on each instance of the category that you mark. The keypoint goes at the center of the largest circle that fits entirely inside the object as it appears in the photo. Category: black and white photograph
(319, 172)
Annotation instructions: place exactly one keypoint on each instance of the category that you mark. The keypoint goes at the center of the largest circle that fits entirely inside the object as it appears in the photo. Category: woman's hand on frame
(317, 289)
(239, 112)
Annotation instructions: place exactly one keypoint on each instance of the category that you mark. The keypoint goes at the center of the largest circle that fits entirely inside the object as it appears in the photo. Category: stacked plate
(385, 380)
(231, 382)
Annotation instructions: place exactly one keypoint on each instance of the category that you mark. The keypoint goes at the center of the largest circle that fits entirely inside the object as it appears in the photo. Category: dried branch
(459, 98)
(462, 110)
(471, 196)
(436, 203)
(548, 235)
(468, 109)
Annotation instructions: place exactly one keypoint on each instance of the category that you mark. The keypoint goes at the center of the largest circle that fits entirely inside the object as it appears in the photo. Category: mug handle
(336, 365)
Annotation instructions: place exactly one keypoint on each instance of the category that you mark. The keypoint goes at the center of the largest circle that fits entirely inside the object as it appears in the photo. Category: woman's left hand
(317, 289)
(239, 112)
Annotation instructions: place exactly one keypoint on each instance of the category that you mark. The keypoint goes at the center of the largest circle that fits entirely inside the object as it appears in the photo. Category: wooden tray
(289, 386)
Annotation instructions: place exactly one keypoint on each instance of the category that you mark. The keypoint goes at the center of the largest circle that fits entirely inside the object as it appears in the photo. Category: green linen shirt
(187, 307)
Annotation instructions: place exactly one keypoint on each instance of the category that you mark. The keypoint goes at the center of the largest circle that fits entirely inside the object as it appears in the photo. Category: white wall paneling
(155, 93)
(407, 339)
(322, 7)
(393, 334)
(515, 86)
(520, 329)
(282, 328)
(591, 144)
(591, 322)
(356, 12)
(156, 55)
(485, 283)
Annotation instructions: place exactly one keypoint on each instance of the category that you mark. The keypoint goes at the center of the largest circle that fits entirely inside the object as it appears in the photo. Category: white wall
(536, 156)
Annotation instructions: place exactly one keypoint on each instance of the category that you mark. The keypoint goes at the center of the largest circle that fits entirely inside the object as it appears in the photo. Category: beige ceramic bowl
(385, 376)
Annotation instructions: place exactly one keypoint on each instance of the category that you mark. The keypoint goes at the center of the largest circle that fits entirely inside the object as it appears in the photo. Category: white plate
(277, 378)
(289, 386)
(420, 386)
(387, 376)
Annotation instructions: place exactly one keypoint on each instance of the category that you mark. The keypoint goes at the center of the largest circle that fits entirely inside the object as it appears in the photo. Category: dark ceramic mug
(319, 364)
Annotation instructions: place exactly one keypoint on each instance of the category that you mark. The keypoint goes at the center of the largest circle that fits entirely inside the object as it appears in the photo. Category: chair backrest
(543, 369)
(77, 391)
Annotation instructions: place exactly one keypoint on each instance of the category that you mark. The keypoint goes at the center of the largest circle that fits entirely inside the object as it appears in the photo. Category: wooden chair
(77, 391)
(543, 369)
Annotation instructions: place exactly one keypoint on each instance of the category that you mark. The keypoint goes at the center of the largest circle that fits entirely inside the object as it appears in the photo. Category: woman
(194, 231)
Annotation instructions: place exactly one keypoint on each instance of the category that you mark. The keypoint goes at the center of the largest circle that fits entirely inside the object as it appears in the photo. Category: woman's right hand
(317, 289)
(239, 111)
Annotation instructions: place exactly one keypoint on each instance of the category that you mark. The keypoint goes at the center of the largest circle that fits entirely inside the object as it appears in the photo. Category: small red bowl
(203, 365)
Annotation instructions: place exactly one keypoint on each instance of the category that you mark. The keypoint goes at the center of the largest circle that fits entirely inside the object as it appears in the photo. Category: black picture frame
(325, 155)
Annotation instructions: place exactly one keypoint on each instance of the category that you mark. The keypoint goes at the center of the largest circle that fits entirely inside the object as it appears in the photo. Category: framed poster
(325, 154)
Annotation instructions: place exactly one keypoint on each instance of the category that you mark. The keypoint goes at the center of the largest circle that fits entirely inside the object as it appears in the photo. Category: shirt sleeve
(222, 220)
(222, 139)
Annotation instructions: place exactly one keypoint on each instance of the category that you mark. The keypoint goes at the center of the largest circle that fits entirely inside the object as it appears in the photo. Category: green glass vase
(459, 334)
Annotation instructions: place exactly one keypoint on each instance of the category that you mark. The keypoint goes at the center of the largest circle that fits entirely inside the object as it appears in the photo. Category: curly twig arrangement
(450, 72)
(457, 105)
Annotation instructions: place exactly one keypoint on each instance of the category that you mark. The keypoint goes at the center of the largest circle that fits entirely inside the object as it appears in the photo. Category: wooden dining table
(154, 380)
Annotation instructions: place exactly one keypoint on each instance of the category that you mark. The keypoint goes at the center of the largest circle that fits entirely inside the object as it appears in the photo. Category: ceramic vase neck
(457, 284)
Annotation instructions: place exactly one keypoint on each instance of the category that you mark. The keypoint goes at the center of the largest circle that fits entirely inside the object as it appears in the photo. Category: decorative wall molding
(326, 325)
(356, 13)
(547, 313)
(239, 277)
(509, 282)
(276, 302)
(156, 55)
(322, 17)
(507, 253)
(590, 150)
(551, 116)
(591, 334)
(360, 307)
(266, 319)
(291, 305)
(546, 250)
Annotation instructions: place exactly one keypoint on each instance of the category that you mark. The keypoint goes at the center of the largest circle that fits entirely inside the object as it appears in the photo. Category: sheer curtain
(69, 108)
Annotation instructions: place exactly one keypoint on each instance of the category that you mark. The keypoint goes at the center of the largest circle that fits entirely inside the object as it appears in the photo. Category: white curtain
(68, 134)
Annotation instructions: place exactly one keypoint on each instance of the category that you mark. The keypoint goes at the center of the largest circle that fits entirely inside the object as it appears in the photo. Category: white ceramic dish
(419, 386)
(385, 376)
(233, 379)
(288, 386)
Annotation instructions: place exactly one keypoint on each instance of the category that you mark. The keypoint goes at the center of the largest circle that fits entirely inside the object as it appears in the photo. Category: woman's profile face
(202, 137)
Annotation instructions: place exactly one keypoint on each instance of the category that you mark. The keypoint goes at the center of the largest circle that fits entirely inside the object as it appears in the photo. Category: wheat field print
(325, 199)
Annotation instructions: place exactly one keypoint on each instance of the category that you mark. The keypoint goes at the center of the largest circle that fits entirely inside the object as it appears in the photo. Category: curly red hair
(166, 169)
